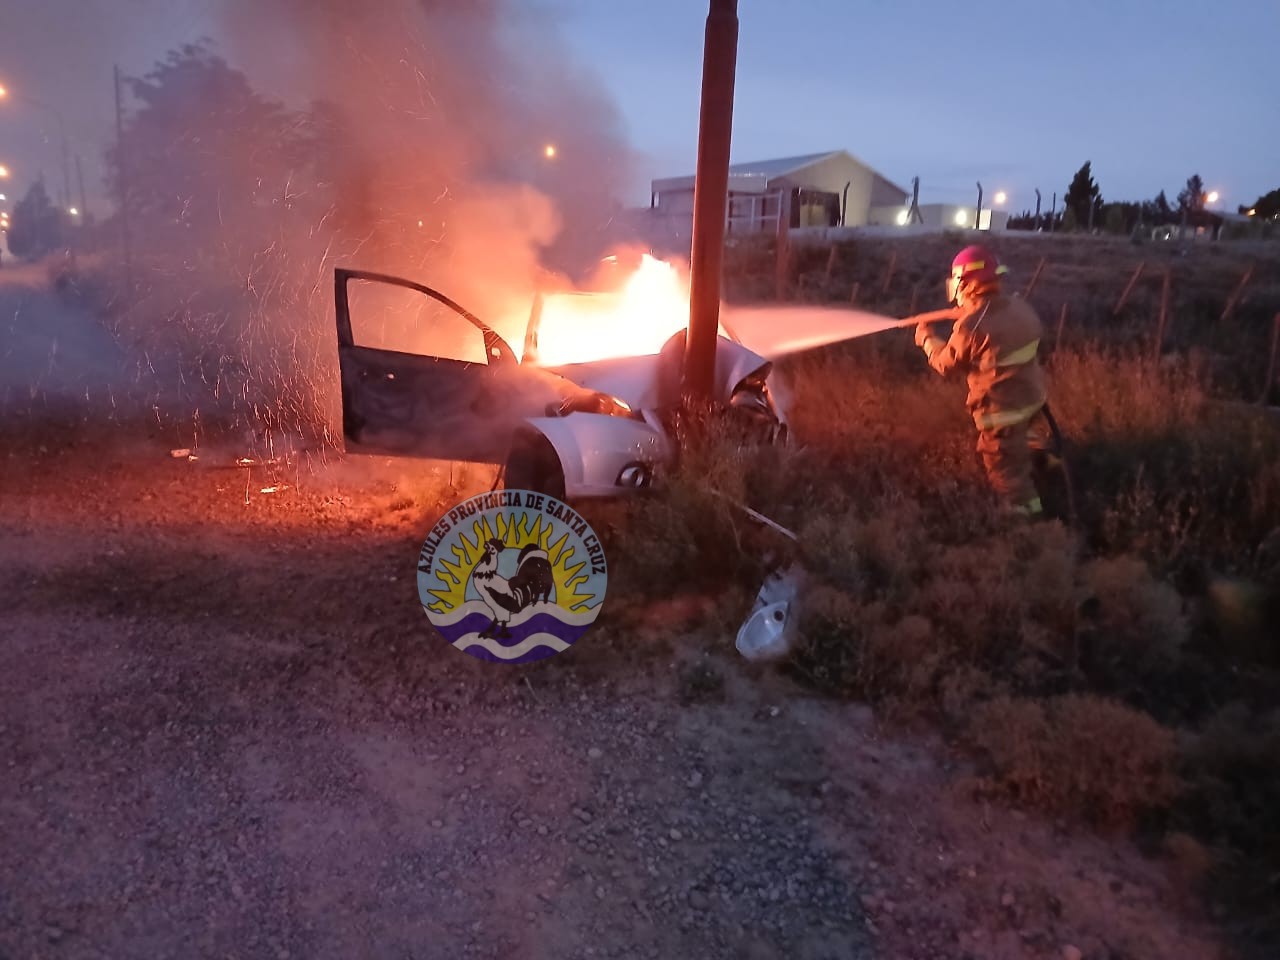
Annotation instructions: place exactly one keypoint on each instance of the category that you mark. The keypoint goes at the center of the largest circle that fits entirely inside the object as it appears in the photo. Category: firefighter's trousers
(1006, 455)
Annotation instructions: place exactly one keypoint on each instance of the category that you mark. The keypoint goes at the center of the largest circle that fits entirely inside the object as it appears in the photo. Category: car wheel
(533, 464)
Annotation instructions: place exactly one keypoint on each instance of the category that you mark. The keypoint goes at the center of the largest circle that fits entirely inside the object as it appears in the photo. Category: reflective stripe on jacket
(996, 344)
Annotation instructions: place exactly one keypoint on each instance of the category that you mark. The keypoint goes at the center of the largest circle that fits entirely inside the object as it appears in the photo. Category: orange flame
(635, 321)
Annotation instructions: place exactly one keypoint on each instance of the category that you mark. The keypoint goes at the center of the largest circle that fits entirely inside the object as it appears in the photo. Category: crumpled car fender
(601, 454)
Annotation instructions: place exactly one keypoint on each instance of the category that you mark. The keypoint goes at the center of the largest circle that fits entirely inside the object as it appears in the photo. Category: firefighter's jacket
(995, 344)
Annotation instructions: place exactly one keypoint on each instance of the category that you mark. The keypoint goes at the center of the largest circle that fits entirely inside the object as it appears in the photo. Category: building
(829, 189)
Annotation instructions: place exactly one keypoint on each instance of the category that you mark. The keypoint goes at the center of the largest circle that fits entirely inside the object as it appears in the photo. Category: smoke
(426, 123)
(444, 111)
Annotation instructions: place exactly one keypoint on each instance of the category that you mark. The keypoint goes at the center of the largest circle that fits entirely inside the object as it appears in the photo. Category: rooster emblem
(504, 598)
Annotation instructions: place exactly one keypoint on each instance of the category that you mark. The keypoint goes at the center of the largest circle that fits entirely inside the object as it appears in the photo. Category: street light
(1001, 197)
(4, 171)
(549, 151)
(1213, 196)
(74, 212)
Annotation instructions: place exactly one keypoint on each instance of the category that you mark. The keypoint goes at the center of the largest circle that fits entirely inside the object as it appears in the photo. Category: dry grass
(1084, 666)
(1077, 755)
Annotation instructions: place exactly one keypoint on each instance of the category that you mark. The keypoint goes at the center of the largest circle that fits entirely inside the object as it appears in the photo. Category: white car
(597, 428)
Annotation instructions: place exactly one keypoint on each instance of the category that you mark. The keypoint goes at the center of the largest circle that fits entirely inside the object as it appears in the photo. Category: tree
(1122, 218)
(38, 227)
(1083, 197)
(1266, 207)
(205, 154)
(1192, 196)
(1156, 212)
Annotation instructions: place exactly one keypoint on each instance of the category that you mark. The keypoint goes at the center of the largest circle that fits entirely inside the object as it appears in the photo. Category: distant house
(829, 189)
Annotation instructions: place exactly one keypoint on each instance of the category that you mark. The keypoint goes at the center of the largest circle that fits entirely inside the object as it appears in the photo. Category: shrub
(1077, 754)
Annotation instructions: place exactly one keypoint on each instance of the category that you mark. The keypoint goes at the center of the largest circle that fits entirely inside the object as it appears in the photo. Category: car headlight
(635, 475)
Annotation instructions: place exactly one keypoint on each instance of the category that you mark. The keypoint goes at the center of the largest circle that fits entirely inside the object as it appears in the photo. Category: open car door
(423, 377)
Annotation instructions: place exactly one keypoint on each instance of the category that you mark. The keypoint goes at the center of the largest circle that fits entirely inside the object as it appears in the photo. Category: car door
(421, 376)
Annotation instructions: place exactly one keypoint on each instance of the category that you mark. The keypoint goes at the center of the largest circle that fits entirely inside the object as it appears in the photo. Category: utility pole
(122, 173)
(977, 215)
(84, 206)
(1053, 214)
(1037, 209)
(710, 197)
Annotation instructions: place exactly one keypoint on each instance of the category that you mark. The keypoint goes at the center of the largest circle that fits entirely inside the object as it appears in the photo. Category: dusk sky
(1016, 95)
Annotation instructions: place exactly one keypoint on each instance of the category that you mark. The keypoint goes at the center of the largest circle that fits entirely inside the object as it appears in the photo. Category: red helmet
(976, 265)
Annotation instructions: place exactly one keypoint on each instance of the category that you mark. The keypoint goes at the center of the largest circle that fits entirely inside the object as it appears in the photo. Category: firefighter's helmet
(975, 267)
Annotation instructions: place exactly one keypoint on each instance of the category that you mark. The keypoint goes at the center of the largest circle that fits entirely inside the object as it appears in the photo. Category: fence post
(1031, 284)
(1164, 312)
(782, 267)
(1232, 300)
(1062, 322)
(1270, 380)
(888, 274)
(1128, 289)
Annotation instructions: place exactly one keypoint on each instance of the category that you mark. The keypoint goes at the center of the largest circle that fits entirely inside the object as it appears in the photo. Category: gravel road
(228, 731)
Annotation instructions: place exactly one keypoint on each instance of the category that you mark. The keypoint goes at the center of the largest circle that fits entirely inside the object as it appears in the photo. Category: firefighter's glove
(923, 333)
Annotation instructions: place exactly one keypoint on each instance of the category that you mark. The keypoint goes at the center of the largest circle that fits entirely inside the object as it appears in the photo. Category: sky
(1015, 95)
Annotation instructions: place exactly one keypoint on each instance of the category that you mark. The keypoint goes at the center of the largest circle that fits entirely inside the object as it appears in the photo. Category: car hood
(653, 381)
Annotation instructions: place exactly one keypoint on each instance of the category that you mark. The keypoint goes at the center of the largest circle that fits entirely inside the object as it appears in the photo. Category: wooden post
(1034, 277)
(853, 294)
(1232, 300)
(1128, 289)
(888, 274)
(1270, 380)
(1062, 322)
(831, 262)
(782, 267)
(1164, 312)
(710, 197)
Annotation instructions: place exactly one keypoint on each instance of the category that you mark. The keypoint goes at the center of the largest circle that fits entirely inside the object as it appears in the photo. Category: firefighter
(994, 342)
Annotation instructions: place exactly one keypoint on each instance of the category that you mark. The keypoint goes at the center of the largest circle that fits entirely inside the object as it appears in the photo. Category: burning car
(588, 408)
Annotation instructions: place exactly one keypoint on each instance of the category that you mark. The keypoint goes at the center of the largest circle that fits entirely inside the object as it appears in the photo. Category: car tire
(534, 465)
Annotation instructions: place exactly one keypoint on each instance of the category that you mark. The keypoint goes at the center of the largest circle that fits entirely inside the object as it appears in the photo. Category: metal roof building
(820, 189)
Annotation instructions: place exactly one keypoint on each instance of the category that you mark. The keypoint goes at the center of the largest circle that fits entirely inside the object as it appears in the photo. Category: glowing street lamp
(549, 151)
(1213, 196)
(962, 217)
(3, 92)
(74, 212)
(4, 171)
(1001, 197)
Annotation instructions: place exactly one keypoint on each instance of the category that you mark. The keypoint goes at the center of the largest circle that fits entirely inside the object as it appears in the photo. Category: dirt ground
(228, 731)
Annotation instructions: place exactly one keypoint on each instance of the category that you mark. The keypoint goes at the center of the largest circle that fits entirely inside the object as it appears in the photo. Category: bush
(1077, 755)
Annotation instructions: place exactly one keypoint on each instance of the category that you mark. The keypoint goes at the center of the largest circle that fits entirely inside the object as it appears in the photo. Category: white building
(821, 190)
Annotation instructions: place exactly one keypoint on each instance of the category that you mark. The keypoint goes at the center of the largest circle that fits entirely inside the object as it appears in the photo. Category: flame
(635, 321)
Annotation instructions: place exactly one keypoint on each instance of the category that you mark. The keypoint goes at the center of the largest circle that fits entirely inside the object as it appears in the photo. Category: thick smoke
(423, 126)
(444, 111)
